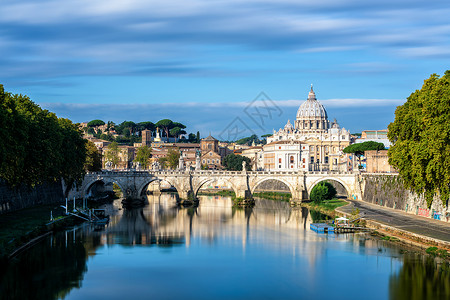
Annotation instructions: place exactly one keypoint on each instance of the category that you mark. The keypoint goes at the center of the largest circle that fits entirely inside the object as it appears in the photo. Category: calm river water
(162, 251)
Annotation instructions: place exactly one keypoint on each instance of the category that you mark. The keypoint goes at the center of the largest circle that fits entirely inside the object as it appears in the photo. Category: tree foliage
(165, 125)
(420, 135)
(37, 147)
(322, 191)
(93, 161)
(177, 131)
(112, 153)
(95, 123)
(146, 125)
(173, 157)
(143, 155)
(359, 148)
(248, 140)
(233, 162)
(126, 128)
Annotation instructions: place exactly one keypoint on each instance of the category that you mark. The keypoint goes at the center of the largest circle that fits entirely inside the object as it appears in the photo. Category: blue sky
(204, 62)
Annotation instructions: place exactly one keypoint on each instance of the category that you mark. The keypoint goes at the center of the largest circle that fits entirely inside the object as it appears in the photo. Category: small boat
(99, 217)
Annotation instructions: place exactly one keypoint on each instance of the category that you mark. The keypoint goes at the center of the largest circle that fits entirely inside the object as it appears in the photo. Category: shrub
(322, 191)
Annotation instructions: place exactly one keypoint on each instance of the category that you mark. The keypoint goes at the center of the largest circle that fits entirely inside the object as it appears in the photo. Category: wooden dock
(325, 228)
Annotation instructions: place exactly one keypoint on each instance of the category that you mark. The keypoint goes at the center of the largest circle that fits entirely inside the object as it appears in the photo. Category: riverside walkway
(420, 229)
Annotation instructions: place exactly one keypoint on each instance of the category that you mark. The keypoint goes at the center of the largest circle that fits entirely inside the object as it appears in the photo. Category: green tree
(143, 155)
(173, 157)
(37, 147)
(110, 126)
(95, 123)
(112, 153)
(359, 148)
(233, 162)
(126, 128)
(165, 125)
(146, 125)
(91, 130)
(192, 138)
(198, 137)
(420, 137)
(177, 124)
(163, 162)
(319, 193)
(322, 191)
(176, 132)
(93, 161)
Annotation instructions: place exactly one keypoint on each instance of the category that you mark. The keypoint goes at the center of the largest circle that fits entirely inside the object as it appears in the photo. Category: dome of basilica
(311, 108)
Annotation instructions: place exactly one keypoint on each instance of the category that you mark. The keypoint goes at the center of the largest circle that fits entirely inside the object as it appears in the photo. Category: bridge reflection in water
(162, 221)
(215, 251)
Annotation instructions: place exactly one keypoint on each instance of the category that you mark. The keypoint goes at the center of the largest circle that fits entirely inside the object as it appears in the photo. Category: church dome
(288, 126)
(311, 108)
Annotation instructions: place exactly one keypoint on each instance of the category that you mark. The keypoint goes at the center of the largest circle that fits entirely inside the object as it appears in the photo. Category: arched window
(209, 146)
(292, 159)
(279, 160)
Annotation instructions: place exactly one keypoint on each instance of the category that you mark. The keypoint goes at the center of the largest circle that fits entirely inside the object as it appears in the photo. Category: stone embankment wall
(22, 197)
(389, 191)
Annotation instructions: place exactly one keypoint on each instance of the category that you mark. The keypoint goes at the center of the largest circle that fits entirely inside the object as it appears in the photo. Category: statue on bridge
(181, 162)
(244, 165)
(156, 166)
(138, 166)
(198, 165)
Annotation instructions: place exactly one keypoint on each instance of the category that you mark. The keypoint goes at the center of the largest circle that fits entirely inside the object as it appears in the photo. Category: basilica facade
(313, 143)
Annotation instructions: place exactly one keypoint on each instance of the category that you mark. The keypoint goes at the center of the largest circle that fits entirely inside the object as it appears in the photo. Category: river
(215, 251)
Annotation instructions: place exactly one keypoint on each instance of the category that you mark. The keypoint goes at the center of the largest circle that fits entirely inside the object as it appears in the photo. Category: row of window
(211, 161)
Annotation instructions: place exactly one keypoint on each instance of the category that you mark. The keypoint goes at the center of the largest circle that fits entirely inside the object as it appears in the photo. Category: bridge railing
(132, 172)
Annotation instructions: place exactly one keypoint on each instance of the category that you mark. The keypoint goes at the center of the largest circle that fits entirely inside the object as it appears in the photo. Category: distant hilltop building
(313, 144)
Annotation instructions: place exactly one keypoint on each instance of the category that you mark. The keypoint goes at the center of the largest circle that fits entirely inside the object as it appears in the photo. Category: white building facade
(314, 144)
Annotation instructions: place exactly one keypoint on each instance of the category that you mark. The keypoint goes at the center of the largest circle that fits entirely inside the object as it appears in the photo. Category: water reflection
(49, 271)
(421, 278)
(266, 251)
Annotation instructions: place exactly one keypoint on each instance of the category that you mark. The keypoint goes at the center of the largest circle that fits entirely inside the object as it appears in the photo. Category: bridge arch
(202, 182)
(141, 188)
(257, 183)
(329, 179)
(106, 181)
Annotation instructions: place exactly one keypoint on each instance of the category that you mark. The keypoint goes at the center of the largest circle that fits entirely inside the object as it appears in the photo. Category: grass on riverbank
(326, 206)
(216, 193)
(18, 227)
(274, 196)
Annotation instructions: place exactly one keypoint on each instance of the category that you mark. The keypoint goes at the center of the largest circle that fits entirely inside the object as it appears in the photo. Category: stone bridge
(187, 183)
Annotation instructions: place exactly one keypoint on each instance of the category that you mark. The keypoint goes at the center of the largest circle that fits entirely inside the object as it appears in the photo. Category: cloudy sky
(205, 62)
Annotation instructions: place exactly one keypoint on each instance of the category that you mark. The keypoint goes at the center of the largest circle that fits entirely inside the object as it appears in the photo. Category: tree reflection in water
(50, 271)
(420, 277)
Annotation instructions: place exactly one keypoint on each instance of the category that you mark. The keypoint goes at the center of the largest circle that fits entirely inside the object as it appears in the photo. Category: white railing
(132, 172)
